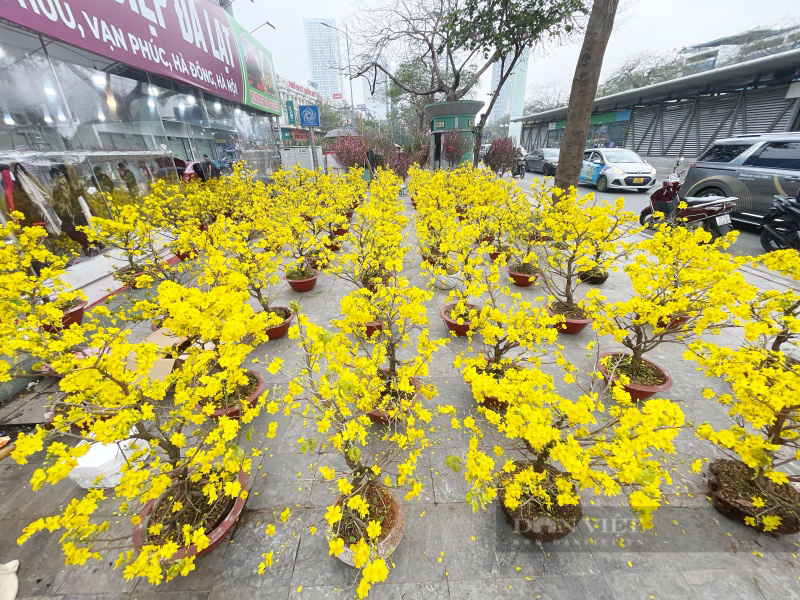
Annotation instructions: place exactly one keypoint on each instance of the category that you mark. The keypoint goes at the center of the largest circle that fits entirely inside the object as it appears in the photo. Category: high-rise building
(324, 56)
(511, 99)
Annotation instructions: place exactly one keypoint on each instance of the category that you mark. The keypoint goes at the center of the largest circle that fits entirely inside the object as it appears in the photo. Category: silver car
(752, 168)
(616, 168)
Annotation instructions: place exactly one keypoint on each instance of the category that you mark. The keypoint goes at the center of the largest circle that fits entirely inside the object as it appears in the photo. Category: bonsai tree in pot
(610, 450)
(383, 323)
(514, 336)
(133, 234)
(308, 216)
(585, 230)
(682, 285)
(754, 485)
(184, 478)
(374, 241)
(232, 255)
(333, 392)
(40, 317)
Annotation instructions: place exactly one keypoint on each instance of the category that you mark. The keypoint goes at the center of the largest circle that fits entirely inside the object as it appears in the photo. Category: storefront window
(32, 108)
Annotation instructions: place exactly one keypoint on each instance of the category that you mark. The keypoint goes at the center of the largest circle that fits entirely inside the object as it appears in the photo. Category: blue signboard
(309, 116)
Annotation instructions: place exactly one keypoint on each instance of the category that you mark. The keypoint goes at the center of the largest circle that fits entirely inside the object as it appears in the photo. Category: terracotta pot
(486, 238)
(333, 247)
(373, 326)
(522, 279)
(184, 255)
(72, 316)
(593, 278)
(490, 401)
(570, 326)
(725, 489)
(234, 412)
(544, 528)
(303, 285)
(637, 391)
(387, 545)
(278, 331)
(460, 330)
(675, 322)
(340, 232)
(215, 537)
(349, 215)
(381, 417)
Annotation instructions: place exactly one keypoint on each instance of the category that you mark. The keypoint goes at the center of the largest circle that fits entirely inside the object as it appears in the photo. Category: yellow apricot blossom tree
(764, 404)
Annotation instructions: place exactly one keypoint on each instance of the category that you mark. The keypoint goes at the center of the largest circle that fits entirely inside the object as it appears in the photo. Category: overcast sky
(657, 25)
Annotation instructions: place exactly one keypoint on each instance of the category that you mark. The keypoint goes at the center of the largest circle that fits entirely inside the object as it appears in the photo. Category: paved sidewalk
(447, 551)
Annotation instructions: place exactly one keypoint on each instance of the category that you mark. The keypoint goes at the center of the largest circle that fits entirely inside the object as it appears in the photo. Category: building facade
(324, 56)
(684, 116)
(294, 95)
(127, 101)
(738, 48)
(511, 99)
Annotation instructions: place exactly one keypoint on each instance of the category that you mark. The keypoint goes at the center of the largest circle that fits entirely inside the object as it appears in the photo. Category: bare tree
(458, 40)
(641, 69)
(546, 96)
(415, 32)
(584, 88)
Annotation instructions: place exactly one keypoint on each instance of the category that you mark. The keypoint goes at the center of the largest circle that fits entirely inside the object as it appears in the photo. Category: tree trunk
(584, 88)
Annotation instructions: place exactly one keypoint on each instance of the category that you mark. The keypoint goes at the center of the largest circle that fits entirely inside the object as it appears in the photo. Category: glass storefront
(73, 123)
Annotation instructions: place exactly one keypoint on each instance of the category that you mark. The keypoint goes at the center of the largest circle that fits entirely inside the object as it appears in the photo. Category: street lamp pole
(347, 40)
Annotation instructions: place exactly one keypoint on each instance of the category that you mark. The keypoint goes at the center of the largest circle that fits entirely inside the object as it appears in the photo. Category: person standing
(103, 181)
(129, 178)
(208, 167)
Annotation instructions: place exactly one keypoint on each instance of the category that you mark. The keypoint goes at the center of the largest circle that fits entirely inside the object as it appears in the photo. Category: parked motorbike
(781, 225)
(712, 213)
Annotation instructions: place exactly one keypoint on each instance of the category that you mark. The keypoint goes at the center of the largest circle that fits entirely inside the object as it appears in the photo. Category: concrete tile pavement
(689, 555)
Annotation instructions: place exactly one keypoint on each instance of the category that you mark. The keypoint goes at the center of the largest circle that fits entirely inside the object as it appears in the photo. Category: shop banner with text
(193, 41)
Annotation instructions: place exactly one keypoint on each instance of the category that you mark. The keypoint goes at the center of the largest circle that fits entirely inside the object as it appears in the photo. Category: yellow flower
(335, 546)
(333, 515)
(373, 529)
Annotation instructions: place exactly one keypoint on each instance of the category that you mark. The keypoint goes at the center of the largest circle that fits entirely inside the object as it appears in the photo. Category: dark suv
(752, 168)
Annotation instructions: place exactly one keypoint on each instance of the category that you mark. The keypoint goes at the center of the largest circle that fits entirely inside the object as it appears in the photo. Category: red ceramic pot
(373, 326)
(522, 279)
(333, 247)
(234, 412)
(570, 326)
(184, 255)
(490, 402)
(460, 330)
(340, 232)
(674, 322)
(637, 391)
(215, 537)
(278, 331)
(381, 417)
(70, 317)
(303, 285)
